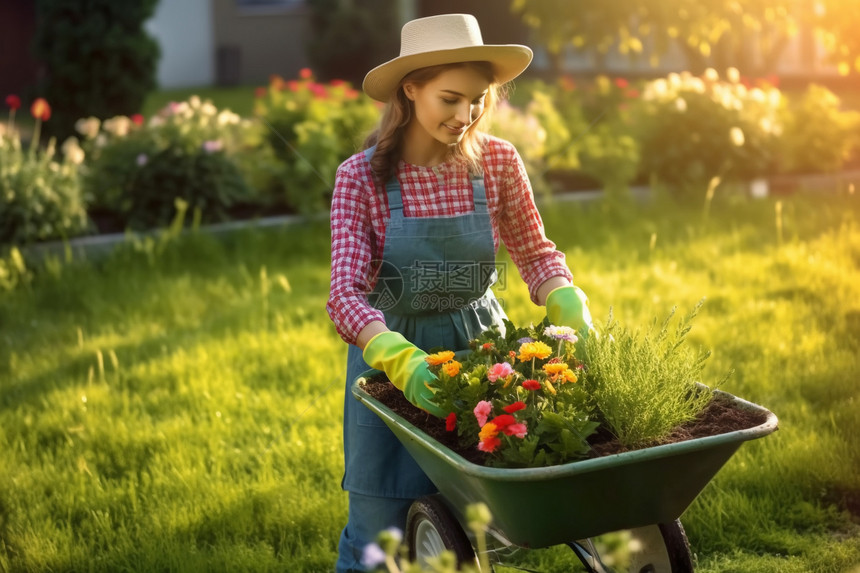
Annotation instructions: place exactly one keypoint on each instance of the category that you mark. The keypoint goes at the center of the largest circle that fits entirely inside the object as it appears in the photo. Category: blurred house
(243, 42)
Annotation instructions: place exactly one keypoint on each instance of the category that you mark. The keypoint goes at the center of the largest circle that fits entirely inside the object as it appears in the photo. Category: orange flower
(40, 109)
(489, 430)
(451, 368)
(306, 73)
(559, 372)
(440, 358)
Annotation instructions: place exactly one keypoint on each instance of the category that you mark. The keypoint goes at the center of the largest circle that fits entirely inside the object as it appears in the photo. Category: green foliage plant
(98, 58)
(189, 150)
(40, 197)
(818, 135)
(515, 396)
(311, 128)
(645, 384)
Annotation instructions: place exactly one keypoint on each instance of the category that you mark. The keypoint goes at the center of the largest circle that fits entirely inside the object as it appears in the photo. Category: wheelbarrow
(641, 493)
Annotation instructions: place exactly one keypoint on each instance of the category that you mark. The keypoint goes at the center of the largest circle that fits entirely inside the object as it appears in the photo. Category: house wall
(184, 31)
(252, 43)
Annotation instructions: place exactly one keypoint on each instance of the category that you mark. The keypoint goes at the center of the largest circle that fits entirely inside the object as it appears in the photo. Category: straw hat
(444, 39)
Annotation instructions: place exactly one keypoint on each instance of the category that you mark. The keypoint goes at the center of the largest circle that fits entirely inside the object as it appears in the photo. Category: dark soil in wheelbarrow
(721, 416)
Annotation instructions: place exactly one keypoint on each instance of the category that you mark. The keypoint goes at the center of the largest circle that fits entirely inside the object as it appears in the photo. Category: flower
(451, 368)
(531, 385)
(531, 350)
(482, 411)
(561, 333)
(306, 73)
(451, 422)
(137, 119)
(88, 127)
(212, 146)
(372, 556)
(488, 438)
(559, 372)
(516, 406)
(13, 102)
(502, 422)
(489, 445)
(142, 160)
(519, 430)
(439, 358)
(499, 370)
(41, 109)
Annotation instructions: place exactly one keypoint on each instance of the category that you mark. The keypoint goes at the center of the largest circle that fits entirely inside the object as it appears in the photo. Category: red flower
(503, 421)
(489, 444)
(40, 109)
(621, 83)
(306, 73)
(260, 92)
(515, 407)
(13, 101)
(318, 90)
(531, 385)
(633, 93)
(451, 422)
(335, 83)
(137, 119)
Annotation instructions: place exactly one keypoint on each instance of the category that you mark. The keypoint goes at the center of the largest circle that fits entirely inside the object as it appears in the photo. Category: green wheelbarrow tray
(542, 507)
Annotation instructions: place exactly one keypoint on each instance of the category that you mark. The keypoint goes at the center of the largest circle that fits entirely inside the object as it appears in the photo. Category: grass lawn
(177, 407)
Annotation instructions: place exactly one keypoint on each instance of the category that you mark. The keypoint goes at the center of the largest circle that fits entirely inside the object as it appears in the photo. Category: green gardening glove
(404, 364)
(568, 306)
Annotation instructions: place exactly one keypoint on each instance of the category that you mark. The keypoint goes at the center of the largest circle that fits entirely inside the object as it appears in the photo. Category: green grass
(177, 407)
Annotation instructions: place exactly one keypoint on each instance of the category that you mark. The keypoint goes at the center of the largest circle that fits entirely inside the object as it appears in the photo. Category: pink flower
(515, 407)
(531, 385)
(481, 411)
(451, 422)
(519, 430)
(499, 370)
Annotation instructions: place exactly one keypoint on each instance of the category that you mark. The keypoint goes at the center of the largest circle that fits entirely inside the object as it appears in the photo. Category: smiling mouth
(457, 130)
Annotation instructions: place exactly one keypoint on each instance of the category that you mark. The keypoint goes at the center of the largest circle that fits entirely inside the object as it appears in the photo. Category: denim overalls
(433, 287)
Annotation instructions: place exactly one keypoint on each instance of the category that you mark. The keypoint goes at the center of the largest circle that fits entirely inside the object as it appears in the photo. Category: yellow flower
(451, 368)
(440, 358)
(559, 372)
(530, 350)
(550, 388)
(490, 430)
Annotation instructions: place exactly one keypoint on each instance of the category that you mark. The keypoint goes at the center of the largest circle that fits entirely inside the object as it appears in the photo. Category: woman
(416, 222)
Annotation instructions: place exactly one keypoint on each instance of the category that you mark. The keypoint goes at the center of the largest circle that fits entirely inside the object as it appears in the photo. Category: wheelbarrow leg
(660, 548)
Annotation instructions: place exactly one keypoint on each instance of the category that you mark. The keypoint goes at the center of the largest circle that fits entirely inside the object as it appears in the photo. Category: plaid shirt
(359, 215)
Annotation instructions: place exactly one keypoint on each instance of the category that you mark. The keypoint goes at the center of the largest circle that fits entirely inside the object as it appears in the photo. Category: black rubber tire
(431, 528)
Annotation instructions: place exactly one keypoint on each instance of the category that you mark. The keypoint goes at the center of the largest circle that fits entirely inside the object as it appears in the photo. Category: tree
(98, 59)
(698, 26)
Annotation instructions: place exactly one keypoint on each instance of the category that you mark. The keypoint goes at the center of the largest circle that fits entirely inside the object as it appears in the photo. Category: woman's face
(448, 104)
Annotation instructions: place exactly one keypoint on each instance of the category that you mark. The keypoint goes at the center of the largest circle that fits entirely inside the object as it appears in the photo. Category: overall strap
(392, 188)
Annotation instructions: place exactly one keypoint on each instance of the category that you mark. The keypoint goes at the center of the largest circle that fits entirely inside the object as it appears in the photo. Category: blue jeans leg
(368, 515)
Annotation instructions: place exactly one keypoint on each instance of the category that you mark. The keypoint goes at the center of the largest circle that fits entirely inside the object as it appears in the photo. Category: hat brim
(508, 62)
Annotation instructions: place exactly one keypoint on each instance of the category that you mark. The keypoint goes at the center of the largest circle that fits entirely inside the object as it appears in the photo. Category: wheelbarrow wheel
(660, 548)
(431, 529)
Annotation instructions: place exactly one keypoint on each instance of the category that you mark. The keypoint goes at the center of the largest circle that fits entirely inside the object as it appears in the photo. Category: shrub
(98, 58)
(189, 150)
(695, 129)
(818, 135)
(40, 198)
(311, 129)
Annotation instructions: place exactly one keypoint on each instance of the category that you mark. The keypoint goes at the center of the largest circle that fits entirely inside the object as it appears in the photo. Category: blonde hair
(388, 137)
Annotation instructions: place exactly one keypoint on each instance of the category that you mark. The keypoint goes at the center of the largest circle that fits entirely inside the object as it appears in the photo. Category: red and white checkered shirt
(359, 215)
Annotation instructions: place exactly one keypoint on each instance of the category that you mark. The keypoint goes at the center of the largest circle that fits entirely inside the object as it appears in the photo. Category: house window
(267, 6)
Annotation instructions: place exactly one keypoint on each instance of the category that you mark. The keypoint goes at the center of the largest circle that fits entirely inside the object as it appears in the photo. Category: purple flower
(212, 145)
(525, 340)
(372, 556)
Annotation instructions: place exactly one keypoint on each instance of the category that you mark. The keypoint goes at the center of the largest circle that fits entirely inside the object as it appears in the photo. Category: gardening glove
(568, 306)
(404, 364)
